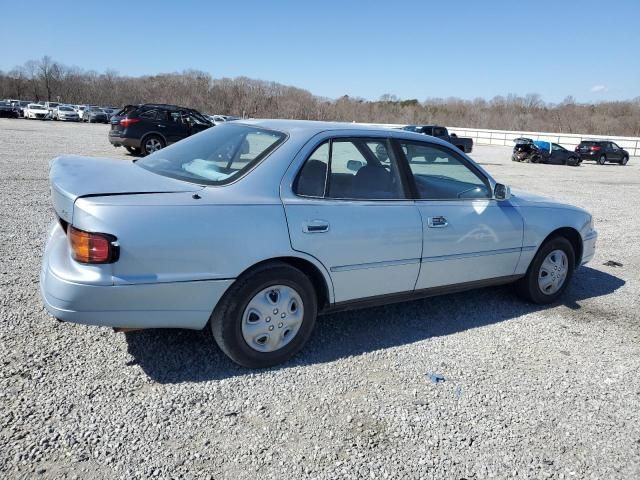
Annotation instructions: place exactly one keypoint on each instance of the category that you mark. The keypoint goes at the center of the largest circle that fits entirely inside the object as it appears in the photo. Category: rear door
(467, 235)
(348, 208)
(172, 125)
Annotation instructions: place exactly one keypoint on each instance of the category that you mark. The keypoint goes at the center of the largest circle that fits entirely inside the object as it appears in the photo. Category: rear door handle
(316, 226)
(162, 126)
(437, 222)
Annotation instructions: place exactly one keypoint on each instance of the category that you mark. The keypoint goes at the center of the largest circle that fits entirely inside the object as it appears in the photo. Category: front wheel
(624, 160)
(602, 160)
(549, 272)
(266, 316)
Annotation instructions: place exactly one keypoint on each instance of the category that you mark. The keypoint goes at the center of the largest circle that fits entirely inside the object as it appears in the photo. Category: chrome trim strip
(389, 263)
(471, 255)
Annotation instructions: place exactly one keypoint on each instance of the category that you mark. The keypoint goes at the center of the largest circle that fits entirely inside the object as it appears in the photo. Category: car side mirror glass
(354, 165)
(501, 192)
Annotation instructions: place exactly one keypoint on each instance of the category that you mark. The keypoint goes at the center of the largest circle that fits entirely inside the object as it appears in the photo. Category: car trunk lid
(72, 177)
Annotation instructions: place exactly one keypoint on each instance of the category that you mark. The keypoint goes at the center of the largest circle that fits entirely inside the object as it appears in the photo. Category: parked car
(538, 151)
(51, 106)
(65, 113)
(463, 143)
(602, 151)
(252, 228)
(21, 106)
(220, 119)
(80, 109)
(144, 129)
(7, 110)
(110, 111)
(95, 115)
(36, 111)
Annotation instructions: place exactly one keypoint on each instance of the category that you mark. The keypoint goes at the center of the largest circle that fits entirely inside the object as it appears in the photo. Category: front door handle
(437, 222)
(316, 226)
(162, 126)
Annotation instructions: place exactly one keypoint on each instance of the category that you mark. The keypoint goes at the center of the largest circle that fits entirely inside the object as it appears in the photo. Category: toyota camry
(253, 228)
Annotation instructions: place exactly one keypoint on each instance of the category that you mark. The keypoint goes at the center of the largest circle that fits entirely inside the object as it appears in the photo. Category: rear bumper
(589, 247)
(118, 141)
(153, 305)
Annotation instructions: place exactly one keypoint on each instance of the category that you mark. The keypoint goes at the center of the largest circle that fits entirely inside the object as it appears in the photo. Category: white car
(253, 228)
(220, 119)
(36, 111)
(65, 113)
(81, 109)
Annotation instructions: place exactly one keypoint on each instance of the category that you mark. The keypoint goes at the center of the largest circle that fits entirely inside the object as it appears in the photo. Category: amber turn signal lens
(90, 247)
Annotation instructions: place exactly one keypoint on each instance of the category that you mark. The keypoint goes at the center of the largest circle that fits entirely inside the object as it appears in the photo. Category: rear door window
(354, 169)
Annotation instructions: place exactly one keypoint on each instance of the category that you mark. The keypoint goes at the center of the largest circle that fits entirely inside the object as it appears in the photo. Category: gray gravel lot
(529, 392)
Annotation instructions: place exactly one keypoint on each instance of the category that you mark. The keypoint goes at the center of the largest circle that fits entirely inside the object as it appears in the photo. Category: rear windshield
(588, 144)
(216, 156)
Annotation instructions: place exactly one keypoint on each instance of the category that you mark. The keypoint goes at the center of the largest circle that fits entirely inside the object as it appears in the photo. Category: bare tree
(49, 79)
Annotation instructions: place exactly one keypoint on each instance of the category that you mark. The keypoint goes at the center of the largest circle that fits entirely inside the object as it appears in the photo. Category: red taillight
(87, 247)
(595, 148)
(127, 122)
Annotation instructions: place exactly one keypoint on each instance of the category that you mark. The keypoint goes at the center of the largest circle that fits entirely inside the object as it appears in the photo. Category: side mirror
(354, 165)
(501, 192)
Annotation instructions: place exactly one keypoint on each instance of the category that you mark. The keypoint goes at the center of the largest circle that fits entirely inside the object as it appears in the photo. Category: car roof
(309, 128)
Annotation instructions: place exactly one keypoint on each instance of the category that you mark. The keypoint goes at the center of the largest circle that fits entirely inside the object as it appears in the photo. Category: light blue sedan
(253, 228)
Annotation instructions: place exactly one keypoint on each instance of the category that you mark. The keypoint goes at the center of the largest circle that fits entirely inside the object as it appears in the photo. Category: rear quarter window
(216, 156)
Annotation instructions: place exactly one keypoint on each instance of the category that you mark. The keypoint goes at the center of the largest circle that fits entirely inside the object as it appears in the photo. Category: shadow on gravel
(174, 356)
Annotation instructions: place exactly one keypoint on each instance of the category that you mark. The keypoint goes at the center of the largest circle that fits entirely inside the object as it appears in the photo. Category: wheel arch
(320, 280)
(573, 236)
(154, 133)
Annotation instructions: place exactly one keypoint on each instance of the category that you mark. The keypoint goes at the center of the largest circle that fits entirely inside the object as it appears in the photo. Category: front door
(615, 154)
(350, 211)
(468, 236)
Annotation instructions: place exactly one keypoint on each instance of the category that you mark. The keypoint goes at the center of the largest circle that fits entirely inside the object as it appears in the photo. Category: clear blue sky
(413, 49)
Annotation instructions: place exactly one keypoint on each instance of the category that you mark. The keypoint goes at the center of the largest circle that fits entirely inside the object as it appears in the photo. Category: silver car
(253, 228)
(65, 113)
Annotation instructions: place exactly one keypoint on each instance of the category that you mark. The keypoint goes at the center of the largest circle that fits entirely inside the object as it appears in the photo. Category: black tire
(624, 160)
(133, 150)
(226, 320)
(527, 287)
(574, 162)
(147, 142)
(602, 160)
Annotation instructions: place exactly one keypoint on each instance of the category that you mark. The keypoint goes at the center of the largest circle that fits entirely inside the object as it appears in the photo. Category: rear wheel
(602, 160)
(549, 272)
(151, 144)
(266, 316)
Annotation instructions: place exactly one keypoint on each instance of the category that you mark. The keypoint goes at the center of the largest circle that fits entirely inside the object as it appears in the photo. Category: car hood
(521, 198)
(74, 176)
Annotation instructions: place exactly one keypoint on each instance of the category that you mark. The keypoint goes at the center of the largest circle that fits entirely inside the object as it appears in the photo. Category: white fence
(567, 140)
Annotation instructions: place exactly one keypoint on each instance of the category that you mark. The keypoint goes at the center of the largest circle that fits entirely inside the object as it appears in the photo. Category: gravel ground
(528, 392)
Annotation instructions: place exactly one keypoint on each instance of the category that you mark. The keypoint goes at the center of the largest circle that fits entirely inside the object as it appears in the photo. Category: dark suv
(144, 129)
(602, 151)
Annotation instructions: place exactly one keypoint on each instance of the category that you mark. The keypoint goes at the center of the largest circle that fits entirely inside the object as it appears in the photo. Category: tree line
(49, 80)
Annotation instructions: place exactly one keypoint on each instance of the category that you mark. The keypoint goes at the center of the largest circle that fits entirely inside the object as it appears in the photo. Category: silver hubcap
(272, 318)
(153, 145)
(553, 272)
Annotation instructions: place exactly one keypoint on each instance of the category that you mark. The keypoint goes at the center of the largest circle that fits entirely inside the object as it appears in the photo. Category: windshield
(36, 107)
(66, 109)
(216, 156)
